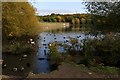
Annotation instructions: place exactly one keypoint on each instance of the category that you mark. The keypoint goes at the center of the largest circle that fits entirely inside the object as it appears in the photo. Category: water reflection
(38, 63)
(41, 64)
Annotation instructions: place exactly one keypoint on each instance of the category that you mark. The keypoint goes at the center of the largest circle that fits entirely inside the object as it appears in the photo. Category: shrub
(105, 50)
(55, 56)
(19, 48)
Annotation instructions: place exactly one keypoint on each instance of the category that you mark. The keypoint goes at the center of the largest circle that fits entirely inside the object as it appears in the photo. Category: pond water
(38, 62)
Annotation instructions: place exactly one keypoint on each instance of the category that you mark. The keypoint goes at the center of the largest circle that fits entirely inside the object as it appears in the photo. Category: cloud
(46, 12)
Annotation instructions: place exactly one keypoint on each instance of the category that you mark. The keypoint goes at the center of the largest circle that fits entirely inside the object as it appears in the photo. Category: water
(38, 62)
(16, 61)
(42, 66)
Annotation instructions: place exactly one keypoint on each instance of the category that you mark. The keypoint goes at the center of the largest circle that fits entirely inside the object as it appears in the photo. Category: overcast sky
(45, 8)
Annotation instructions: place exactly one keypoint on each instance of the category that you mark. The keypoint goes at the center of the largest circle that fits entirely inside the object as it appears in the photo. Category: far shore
(53, 25)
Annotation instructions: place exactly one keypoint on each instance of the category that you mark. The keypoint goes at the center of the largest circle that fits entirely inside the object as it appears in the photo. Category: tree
(45, 19)
(109, 10)
(63, 19)
(89, 21)
(73, 21)
(99, 8)
(68, 18)
(59, 19)
(113, 19)
(53, 18)
(77, 21)
(19, 19)
(83, 20)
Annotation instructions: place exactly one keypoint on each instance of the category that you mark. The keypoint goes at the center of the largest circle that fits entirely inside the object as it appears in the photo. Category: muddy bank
(68, 70)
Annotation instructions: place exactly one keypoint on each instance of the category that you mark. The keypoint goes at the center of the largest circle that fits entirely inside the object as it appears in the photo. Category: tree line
(71, 18)
(102, 15)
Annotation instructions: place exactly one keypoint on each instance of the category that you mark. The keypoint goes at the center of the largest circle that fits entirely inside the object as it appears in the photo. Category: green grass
(98, 69)
(105, 69)
(52, 25)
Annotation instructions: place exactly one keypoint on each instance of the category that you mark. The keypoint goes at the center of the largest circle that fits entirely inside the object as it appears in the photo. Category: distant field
(52, 25)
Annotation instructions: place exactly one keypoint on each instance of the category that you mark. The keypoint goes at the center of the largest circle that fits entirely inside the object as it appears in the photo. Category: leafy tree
(18, 19)
(59, 19)
(45, 19)
(77, 21)
(52, 14)
(63, 19)
(68, 18)
(54, 19)
(55, 57)
(40, 18)
(49, 19)
(99, 8)
(89, 21)
(73, 21)
(83, 20)
(113, 18)
(109, 10)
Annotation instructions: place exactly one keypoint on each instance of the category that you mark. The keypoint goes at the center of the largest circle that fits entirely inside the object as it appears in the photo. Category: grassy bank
(52, 25)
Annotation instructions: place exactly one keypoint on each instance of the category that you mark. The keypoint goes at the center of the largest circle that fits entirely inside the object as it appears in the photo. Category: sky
(46, 8)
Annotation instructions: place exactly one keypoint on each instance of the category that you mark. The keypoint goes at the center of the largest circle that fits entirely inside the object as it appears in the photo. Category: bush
(104, 51)
(105, 69)
(55, 56)
(19, 48)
